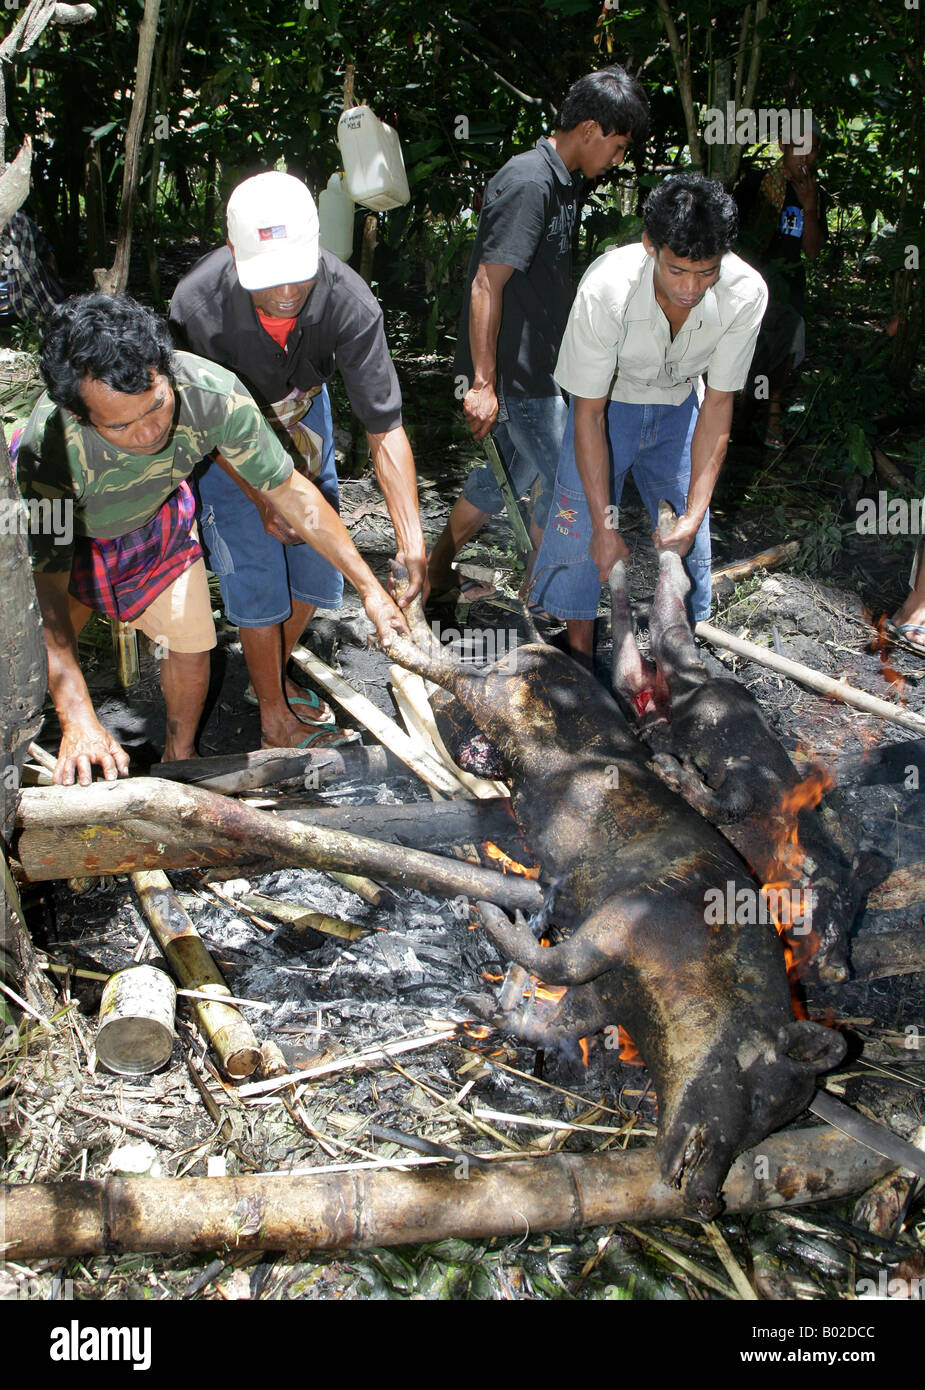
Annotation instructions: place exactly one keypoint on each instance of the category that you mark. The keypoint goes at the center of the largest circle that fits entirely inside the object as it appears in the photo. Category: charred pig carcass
(707, 1003)
(713, 745)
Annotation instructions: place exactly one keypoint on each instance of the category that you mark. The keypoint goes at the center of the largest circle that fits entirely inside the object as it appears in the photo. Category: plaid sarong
(124, 575)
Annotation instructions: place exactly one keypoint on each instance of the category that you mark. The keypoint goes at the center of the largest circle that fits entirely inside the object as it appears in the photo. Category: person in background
(517, 301)
(649, 320)
(783, 224)
(29, 289)
(281, 313)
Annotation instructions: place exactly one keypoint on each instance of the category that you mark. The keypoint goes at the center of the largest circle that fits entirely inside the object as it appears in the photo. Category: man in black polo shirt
(518, 301)
(280, 313)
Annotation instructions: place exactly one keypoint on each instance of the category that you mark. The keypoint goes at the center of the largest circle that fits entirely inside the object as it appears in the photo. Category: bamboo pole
(361, 1208)
(815, 680)
(412, 688)
(231, 1035)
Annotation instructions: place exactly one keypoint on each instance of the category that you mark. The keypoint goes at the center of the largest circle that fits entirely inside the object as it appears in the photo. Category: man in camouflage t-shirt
(109, 448)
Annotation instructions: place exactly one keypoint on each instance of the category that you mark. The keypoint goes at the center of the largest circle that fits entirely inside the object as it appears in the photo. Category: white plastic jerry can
(335, 214)
(373, 164)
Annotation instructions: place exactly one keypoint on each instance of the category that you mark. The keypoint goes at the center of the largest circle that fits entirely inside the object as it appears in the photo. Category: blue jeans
(654, 443)
(528, 439)
(257, 574)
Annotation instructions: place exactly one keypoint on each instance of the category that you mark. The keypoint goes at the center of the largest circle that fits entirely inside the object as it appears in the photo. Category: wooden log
(876, 955)
(230, 1034)
(78, 851)
(765, 559)
(361, 1208)
(203, 817)
(273, 767)
(824, 685)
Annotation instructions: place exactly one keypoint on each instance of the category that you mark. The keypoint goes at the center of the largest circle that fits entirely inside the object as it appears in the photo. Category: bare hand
(81, 746)
(418, 582)
(681, 538)
(275, 524)
(804, 184)
(607, 547)
(385, 616)
(480, 407)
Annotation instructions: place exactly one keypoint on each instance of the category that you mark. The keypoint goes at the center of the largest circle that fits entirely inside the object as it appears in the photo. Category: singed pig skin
(706, 1004)
(716, 749)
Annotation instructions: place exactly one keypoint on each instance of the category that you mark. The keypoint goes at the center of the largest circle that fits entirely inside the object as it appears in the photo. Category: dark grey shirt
(527, 221)
(340, 323)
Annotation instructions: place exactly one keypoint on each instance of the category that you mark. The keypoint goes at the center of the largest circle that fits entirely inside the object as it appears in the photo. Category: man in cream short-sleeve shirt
(648, 322)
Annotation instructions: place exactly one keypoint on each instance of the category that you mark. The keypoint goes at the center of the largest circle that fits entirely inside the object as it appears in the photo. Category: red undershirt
(278, 329)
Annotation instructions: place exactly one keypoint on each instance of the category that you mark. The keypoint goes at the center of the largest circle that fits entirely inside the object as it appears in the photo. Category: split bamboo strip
(413, 688)
(385, 729)
(358, 1059)
(230, 1035)
(815, 680)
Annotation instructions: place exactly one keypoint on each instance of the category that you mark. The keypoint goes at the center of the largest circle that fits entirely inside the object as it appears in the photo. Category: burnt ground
(62, 1117)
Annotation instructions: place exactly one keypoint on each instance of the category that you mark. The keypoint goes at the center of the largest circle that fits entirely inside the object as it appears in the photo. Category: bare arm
(273, 523)
(315, 521)
(708, 450)
(592, 457)
(813, 225)
(394, 465)
(480, 404)
(84, 741)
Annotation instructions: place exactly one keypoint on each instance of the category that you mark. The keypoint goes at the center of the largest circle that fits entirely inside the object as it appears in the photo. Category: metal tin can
(136, 1029)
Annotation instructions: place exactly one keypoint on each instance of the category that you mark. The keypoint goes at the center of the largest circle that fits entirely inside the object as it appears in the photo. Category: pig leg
(631, 675)
(580, 1012)
(672, 639)
(599, 944)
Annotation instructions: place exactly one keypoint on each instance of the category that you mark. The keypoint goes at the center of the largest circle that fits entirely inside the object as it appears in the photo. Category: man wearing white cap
(281, 312)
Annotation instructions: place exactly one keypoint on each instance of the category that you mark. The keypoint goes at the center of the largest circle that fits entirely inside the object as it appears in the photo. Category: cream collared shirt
(617, 341)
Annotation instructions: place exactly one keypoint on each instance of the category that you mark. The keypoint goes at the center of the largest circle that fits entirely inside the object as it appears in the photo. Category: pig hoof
(483, 1007)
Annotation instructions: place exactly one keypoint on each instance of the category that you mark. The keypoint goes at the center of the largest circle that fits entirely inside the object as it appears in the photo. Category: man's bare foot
(178, 752)
(285, 731)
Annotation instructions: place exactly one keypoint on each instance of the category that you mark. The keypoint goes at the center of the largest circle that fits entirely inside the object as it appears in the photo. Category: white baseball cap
(273, 228)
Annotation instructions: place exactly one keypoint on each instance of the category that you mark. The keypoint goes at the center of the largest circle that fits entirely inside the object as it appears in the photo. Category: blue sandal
(309, 698)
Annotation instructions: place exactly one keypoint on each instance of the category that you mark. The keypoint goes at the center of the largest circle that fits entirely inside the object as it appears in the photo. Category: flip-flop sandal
(310, 699)
(313, 702)
(899, 633)
(343, 737)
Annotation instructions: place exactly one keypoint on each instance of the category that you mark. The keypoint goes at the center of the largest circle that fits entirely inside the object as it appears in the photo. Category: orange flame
(584, 1048)
(551, 993)
(476, 1030)
(628, 1052)
(508, 865)
(492, 979)
(882, 645)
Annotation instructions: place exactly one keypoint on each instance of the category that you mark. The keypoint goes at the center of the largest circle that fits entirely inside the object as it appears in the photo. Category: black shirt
(527, 221)
(341, 322)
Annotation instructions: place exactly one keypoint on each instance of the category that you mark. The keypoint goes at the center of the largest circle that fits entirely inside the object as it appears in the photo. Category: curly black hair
(692, 215)
(108, 338)
(612, 98)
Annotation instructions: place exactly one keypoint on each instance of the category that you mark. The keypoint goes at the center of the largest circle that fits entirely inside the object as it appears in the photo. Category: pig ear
(813, 1045)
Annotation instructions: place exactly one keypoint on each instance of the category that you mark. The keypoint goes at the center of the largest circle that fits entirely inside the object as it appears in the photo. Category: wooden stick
(385, 729)
(229, 1033)
(218, 820)
(824, 685)
(364, 1208)
(765, 559)
(370, 1056)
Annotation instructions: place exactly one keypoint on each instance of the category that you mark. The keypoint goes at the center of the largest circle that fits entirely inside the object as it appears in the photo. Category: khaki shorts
(180, 618)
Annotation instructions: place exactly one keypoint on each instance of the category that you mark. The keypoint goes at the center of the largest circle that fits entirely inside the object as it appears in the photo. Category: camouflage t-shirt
(110, 492)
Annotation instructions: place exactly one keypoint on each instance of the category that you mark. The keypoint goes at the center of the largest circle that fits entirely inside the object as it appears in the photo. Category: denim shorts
(654, 443)
(258, 575)
(528, 440)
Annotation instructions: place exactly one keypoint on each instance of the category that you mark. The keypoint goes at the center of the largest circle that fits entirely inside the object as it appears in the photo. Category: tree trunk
(114, 281)
(23, 680)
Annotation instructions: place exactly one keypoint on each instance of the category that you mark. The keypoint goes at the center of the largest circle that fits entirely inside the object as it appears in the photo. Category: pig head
(706, 1002)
